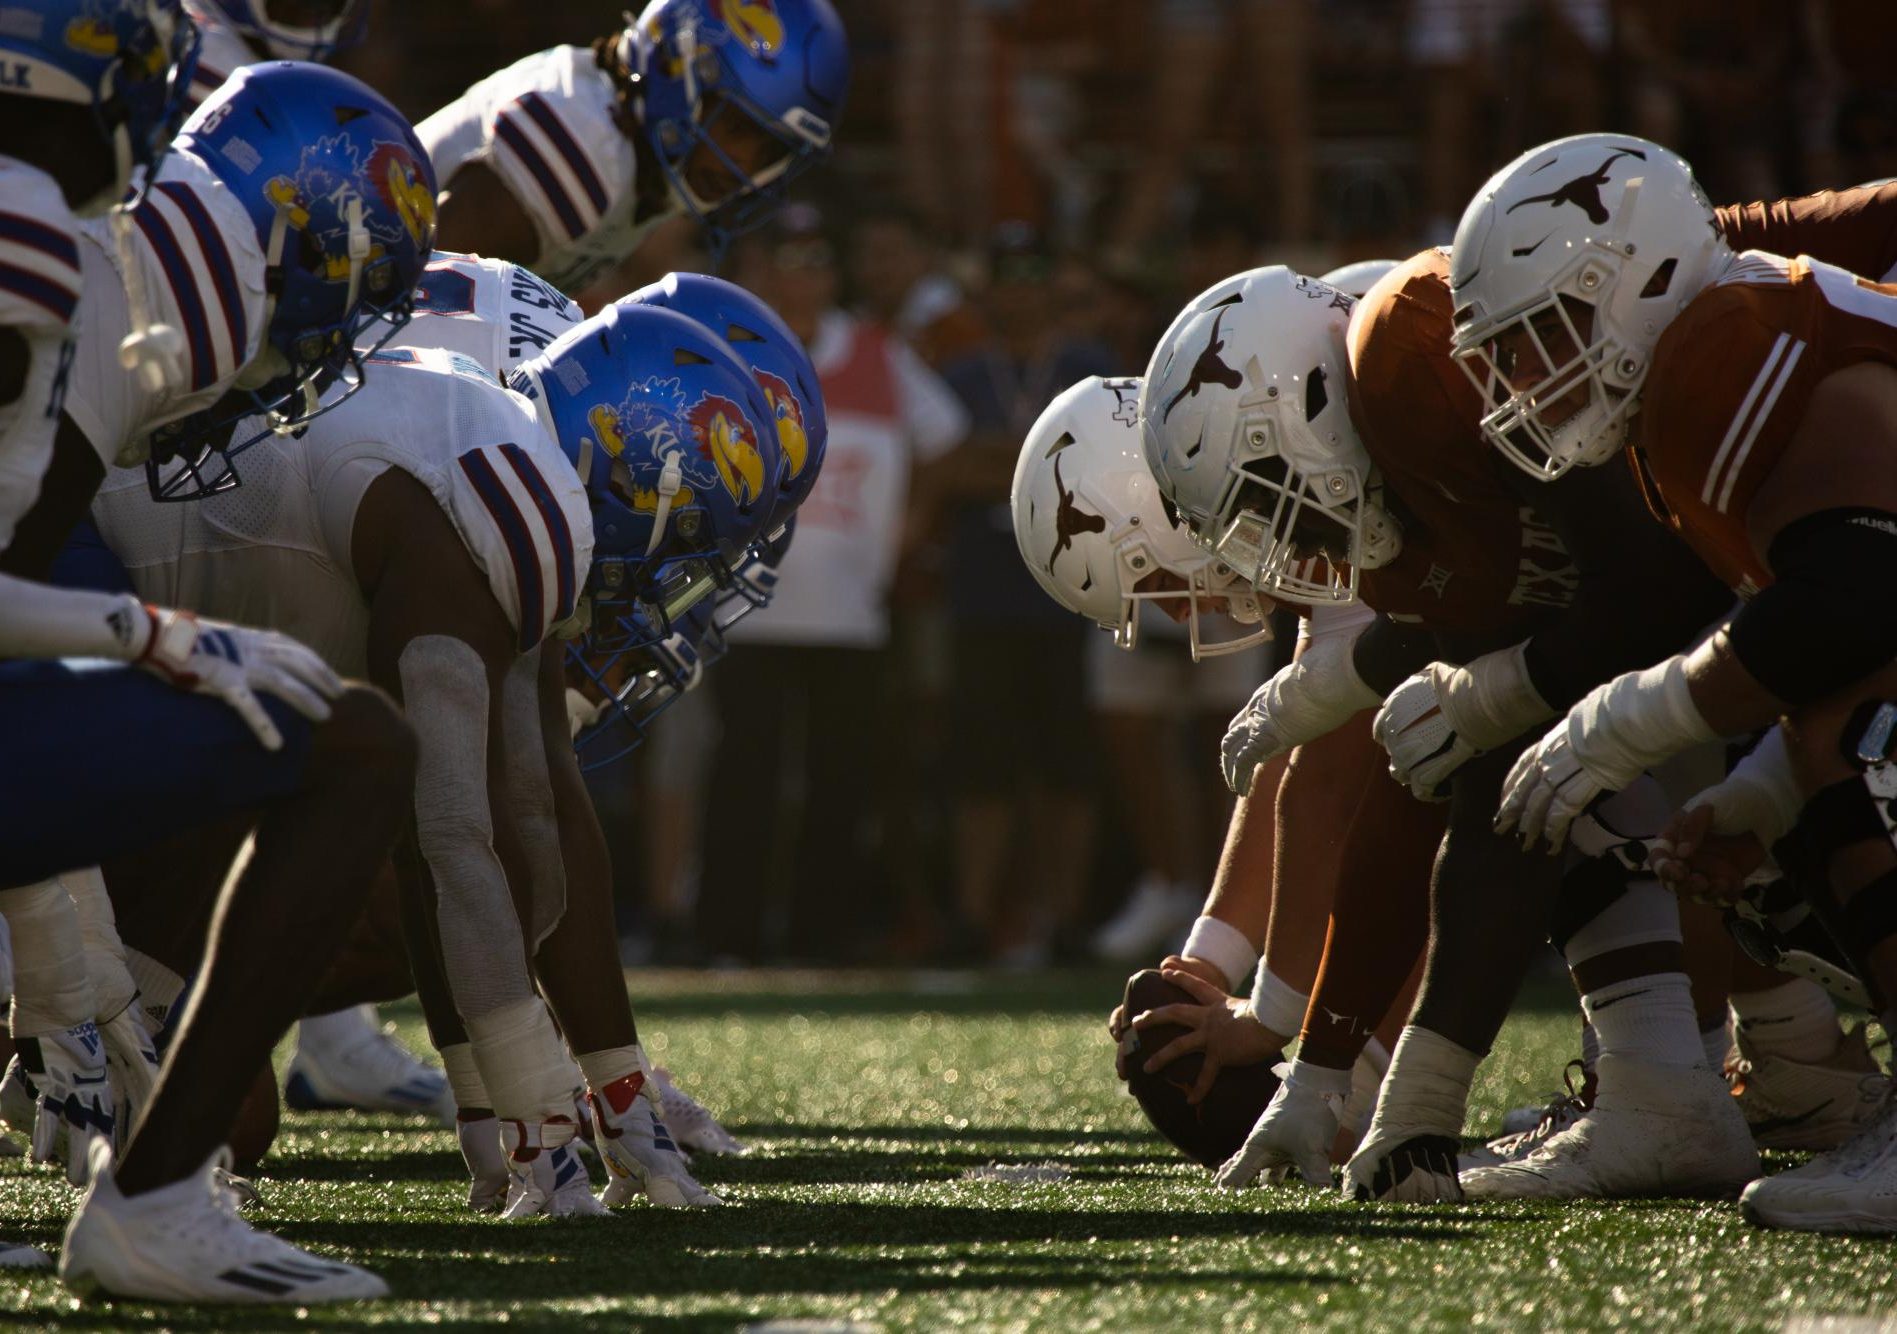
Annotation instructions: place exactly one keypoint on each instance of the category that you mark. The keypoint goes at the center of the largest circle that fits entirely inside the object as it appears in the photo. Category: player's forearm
(41, 621)
(1241, 886)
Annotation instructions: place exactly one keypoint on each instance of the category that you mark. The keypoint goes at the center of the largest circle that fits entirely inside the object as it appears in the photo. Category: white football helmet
(303, 30)
(1359, 278)
(1094, 529)
(1568, 265)
(1247, 431)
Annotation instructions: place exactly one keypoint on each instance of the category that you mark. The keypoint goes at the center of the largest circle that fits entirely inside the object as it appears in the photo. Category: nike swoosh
(1602, 1005)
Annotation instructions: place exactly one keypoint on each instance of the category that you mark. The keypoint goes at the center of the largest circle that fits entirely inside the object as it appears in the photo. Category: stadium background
(1077, 169)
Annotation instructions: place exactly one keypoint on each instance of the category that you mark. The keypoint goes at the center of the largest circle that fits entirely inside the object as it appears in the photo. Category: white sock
(1647, 1019)
(337, 1031)
(1590, 1046)
(1795, 1020)
(1717, 1041)
(1426, 1091)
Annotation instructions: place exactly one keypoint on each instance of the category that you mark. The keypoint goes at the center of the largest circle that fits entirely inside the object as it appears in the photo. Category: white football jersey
(276, 551)
(497, 313)
(40, 286)
(546, 125)
(202, 271)
(222, 51)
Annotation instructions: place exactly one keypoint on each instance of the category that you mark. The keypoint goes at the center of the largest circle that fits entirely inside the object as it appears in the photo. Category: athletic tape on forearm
(445, 697)
(524, 1066)
(1224, 947)
(112, 984)
(1277, 1004)
(1760, 795)
(1635, 721)
(41, 621)
(603, 1067)
(1491, 699)
(530, 795)
(1318, 693)
(51, 989)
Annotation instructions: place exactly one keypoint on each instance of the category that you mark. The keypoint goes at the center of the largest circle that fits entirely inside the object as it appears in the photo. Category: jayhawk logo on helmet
(792, 435)
(332, 171)
(399, 179)
(728, 440)
(755, 24)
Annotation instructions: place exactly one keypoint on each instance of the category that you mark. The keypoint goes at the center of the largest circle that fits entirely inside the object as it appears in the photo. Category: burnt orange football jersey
(1855, 229)
(1474, 558)
(1730, 380)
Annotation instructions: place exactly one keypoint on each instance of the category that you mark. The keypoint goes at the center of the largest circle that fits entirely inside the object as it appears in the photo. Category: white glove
(639, 1150)
(1295, 1132)
(1445, 715)
(66, 1073)
(234, 663)
(1615, 733)
(1313, 696)
(131, 1062)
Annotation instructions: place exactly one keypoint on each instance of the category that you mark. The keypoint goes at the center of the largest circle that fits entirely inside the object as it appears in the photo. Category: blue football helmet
(776, 357)
(625, 695)
(261, 21)
(131, 61)
(342, 195)
(754, 582)
(714, 75)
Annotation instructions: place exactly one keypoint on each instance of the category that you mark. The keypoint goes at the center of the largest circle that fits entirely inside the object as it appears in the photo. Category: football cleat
(242, 1190)
(1154, 919)
(481, 1149)
(545, 1174)
(1653, 1130)
(693, 1127)
(185, 1243)
(1560, 1113)
(1794, 1105)
(1531, 1114)
(639, 1150)
(1853, 1188)
(18, 1255)
(363, 1067)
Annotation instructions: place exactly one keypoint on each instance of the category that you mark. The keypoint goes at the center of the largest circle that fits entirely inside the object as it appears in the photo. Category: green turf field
(868, 1099)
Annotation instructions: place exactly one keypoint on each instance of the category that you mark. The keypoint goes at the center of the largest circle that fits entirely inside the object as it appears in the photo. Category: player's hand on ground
(1219, 1025)
(1293, 1133)
(1695, 861)
(235, 664)
(131, 1062)
(72, 1093)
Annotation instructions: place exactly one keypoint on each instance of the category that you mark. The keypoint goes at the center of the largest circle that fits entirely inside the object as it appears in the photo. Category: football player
(154, 1225)
(1254, 406)
(566, 160)
(443, 558)
(236, 33)
(1759, 399)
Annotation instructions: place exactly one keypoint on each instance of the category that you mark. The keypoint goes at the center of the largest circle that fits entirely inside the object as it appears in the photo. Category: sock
(337, 1031)
(1590, 1045)
(1426, 1091)
(1647, 1019)
(1717, 1041)
(1795, 1020)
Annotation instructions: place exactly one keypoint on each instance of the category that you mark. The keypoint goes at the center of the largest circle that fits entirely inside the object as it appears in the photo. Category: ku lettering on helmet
(755, 24)
(1207, 367)
(726, 438)
(792, 435)
(1584, 192)
(333, 170)
(650, 412)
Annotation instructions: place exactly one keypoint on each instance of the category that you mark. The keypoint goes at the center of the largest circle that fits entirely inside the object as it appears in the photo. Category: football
(1211, 1132)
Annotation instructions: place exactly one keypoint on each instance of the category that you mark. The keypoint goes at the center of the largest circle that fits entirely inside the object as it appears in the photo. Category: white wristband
(1277, 1004)
(1224, 947)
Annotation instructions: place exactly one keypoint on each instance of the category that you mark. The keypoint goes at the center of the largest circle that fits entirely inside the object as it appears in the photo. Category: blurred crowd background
(913, 755)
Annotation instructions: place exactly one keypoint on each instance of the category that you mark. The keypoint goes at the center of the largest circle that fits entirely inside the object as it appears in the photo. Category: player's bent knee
(366, 740)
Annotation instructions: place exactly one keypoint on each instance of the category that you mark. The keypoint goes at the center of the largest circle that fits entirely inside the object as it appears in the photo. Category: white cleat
(694, 1128)
(185, 1243)
(639, 1150)
(1653, 1131)
(1793, 1105)
(1512, 1146)
(481, 1150)
(1853, 1188)
(1155, 917)
(358, 1064)
(18, 1255)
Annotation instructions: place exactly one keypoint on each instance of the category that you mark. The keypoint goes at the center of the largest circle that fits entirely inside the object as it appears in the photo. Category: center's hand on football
(1118, 1020)
(1696, 861)
(1219, 1025)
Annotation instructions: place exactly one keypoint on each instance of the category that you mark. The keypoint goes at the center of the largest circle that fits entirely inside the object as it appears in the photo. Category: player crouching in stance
(316, 766)
(1758, 395)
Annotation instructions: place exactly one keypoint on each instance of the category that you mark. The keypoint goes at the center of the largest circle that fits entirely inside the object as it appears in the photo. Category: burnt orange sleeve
(1855, 229)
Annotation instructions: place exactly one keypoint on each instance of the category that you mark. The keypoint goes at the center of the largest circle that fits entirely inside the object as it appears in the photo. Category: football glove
(545, 1173)
(639, 1150)
(1306, 700)
(480, 1139)
(1445, 716)
(66, 1074)
(1295, 1131)
(234, 663)
(131, 1062)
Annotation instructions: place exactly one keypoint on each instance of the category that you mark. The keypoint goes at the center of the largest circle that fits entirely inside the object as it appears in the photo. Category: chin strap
(152, 350)
(671, 477)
